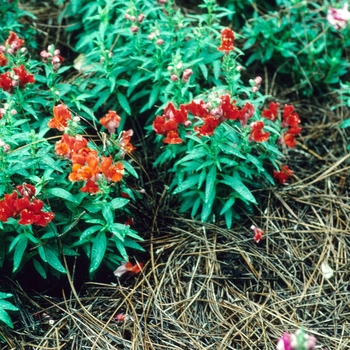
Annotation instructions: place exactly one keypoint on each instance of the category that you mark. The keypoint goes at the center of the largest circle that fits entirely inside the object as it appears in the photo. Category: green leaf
(108, 214)
(98, 251)
(124, 103)
(39, 268)
(231, 149)
(228, 218)
(195, 207)
(208, 206)
(5, 318)
(236, 183)
(19, 251)
(53, 260)
(210, 183)
(129, 243)
(61, 193)
(204, 70)
(6, 305)
(89, 231)
(229, 203)
(130, 169)
(120, 246)
(188, 183)
(117, 203)
(154, 95)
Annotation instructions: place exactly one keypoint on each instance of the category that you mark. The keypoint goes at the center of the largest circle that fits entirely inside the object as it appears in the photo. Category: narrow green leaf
(229, 203)
(53, 259)
(19, 251)
(154, 95)
(228, 218)
(61, 193)
(39, 268)
(108, 214)
(195, 207)
(124, 103)
(117, 203)
(120, 246)
(188, 183)
(4, 317)
(6, 305)
(89, 231)
(98, 251)
(130, 169)
(208, 206)
(210, 183)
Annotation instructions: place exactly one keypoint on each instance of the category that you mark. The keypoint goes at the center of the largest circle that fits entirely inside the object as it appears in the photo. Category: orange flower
(110, 121)
(86, 172)
(3, 60)
(173, 138)
(6, 82)
(90, 187)
(61, 115)
(68, 145)
(125, 141)
(227, 39)
(111, 172)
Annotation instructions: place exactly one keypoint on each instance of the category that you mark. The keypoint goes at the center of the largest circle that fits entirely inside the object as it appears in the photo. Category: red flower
(61, 115)
(26, 190)
(227, 39)
(290, 118)
(23, 76)
(283, 175)
(258, 234)
(110, 121)
(229, 110)
(289, 140)
(3, 60)
(6, 82)
(257, 133)
(172, 137)
(14, 41)
(197, 108)
(271, 113)
(128, 267)
(30, 212)
(209, 126)
(8, 206)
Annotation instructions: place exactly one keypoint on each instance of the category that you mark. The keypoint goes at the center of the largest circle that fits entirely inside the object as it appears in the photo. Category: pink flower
(186, 75)
(128, 267)
(338, 18)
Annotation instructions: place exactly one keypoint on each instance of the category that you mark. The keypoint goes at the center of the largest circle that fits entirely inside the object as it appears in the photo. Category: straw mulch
(206, 287)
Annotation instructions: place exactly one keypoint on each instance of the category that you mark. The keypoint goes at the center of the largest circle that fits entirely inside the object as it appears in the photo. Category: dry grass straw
(206, 287)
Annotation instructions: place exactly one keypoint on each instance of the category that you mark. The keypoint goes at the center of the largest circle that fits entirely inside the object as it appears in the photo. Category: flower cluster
(26, 207)
(339, 18)
(175, 72)
(298, 341)
(86, 163)
(207, 117)
(290, 122)
(18, 76)
(52, 55)
(133, 18)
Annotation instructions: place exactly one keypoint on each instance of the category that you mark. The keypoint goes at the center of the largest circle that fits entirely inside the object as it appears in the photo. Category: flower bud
(10, 51)
(134, 29)
(160, 42)
(170, 68)
(255, 89)
(23, 50)
(151, 36)
(141, 17)
(127, 16)
(179, 65)
(186, 75)
(132, 18)
(56, 52)
(2, 48)
(13, 112)
(174, 77)
(239, 68)
(258, 81)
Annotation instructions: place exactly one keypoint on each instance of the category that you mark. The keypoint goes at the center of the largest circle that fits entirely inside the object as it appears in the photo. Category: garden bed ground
(206, 287)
